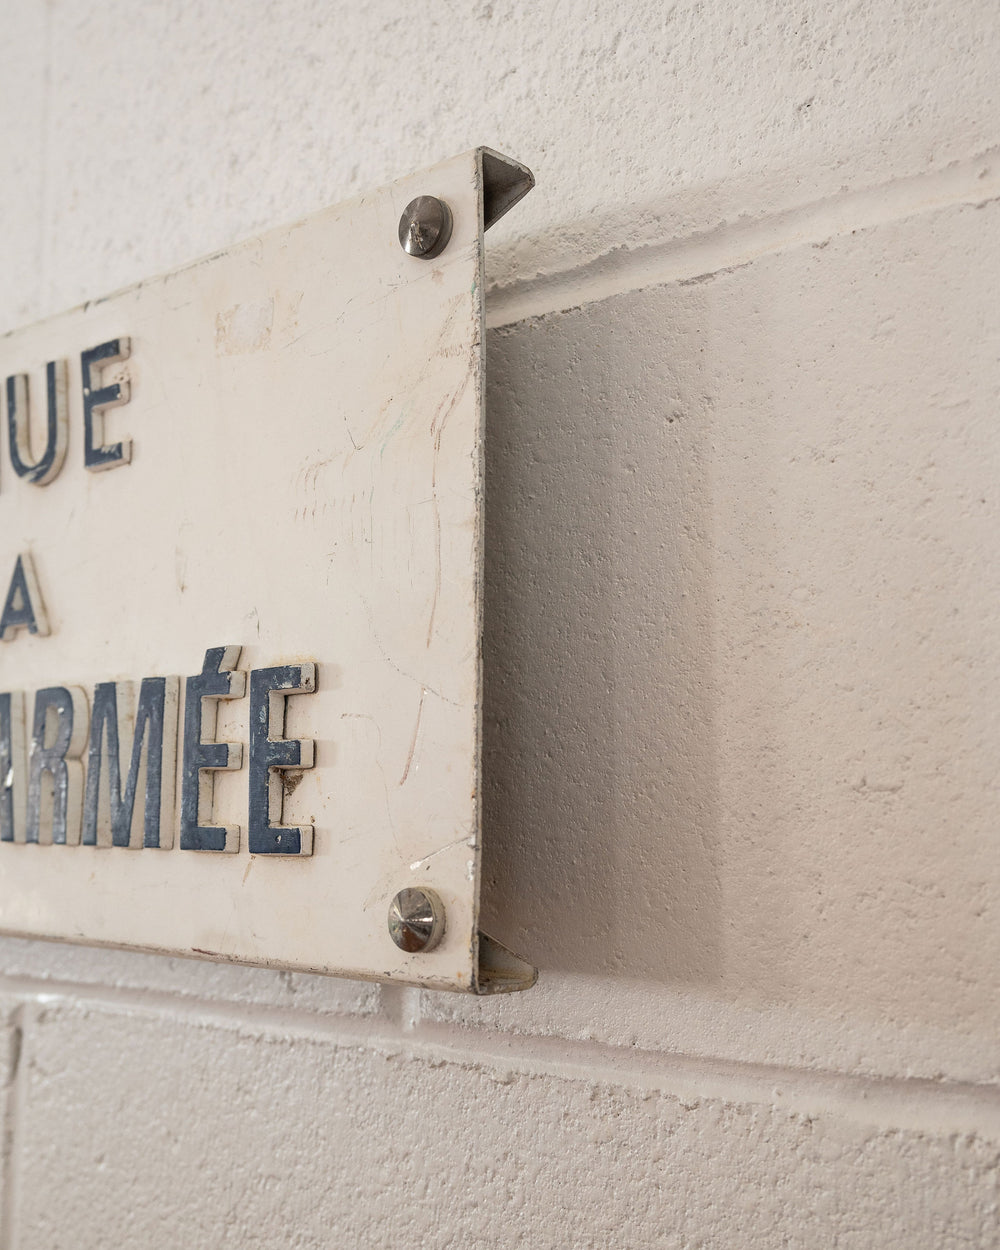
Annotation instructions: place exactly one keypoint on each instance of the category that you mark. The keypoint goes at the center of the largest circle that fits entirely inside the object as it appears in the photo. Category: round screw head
(416, 920)
(425, 227)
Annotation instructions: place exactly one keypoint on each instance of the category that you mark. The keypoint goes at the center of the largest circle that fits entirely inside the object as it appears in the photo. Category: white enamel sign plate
(286, 557)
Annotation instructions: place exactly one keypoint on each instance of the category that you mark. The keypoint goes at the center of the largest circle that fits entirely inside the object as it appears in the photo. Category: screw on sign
(425, 227)
(416, 920)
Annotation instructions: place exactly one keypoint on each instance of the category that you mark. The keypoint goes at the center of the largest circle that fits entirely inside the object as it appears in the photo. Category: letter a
(23, 608)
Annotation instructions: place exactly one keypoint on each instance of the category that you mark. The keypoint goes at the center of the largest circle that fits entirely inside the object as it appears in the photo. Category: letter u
(47, 467)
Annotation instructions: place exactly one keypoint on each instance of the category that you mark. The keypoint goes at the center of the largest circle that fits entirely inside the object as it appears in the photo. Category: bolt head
(416, 920)
(425, 227)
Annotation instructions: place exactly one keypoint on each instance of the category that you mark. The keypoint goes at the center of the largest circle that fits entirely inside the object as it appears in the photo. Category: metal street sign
(241, 550)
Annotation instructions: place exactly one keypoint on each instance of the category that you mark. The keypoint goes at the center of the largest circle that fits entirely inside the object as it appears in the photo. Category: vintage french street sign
(241, 546)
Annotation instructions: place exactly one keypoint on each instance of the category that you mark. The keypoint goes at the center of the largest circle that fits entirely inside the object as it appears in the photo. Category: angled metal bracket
(499, 970)
(505, 182)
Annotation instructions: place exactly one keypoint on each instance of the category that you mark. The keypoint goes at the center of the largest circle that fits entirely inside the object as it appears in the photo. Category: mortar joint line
(22, 1022)
(917, 1102)
(701, 255)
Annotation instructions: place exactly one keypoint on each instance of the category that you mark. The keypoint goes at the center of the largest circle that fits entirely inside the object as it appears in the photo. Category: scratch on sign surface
(413, 741)
(418, 863)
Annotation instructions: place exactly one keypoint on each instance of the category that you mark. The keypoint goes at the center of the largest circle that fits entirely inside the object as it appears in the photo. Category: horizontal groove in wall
(701, 256)
(890, 1104)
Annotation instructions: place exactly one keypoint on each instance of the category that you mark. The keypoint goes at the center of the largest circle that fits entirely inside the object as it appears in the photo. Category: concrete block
(742, 640)
(148, 1131)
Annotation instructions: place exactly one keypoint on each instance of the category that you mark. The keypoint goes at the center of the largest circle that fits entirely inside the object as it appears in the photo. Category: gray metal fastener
(425, 227)
(416, 920)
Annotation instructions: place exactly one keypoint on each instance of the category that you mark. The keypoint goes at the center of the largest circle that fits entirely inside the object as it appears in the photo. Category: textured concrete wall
(743, 634)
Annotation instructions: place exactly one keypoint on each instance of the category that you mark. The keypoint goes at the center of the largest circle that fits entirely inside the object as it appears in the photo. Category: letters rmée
(130, 731)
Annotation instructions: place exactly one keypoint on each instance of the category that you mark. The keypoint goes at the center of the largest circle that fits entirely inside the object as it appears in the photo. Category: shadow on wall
(600, 781)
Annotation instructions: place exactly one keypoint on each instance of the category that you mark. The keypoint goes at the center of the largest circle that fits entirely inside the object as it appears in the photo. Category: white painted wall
(744, 634)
